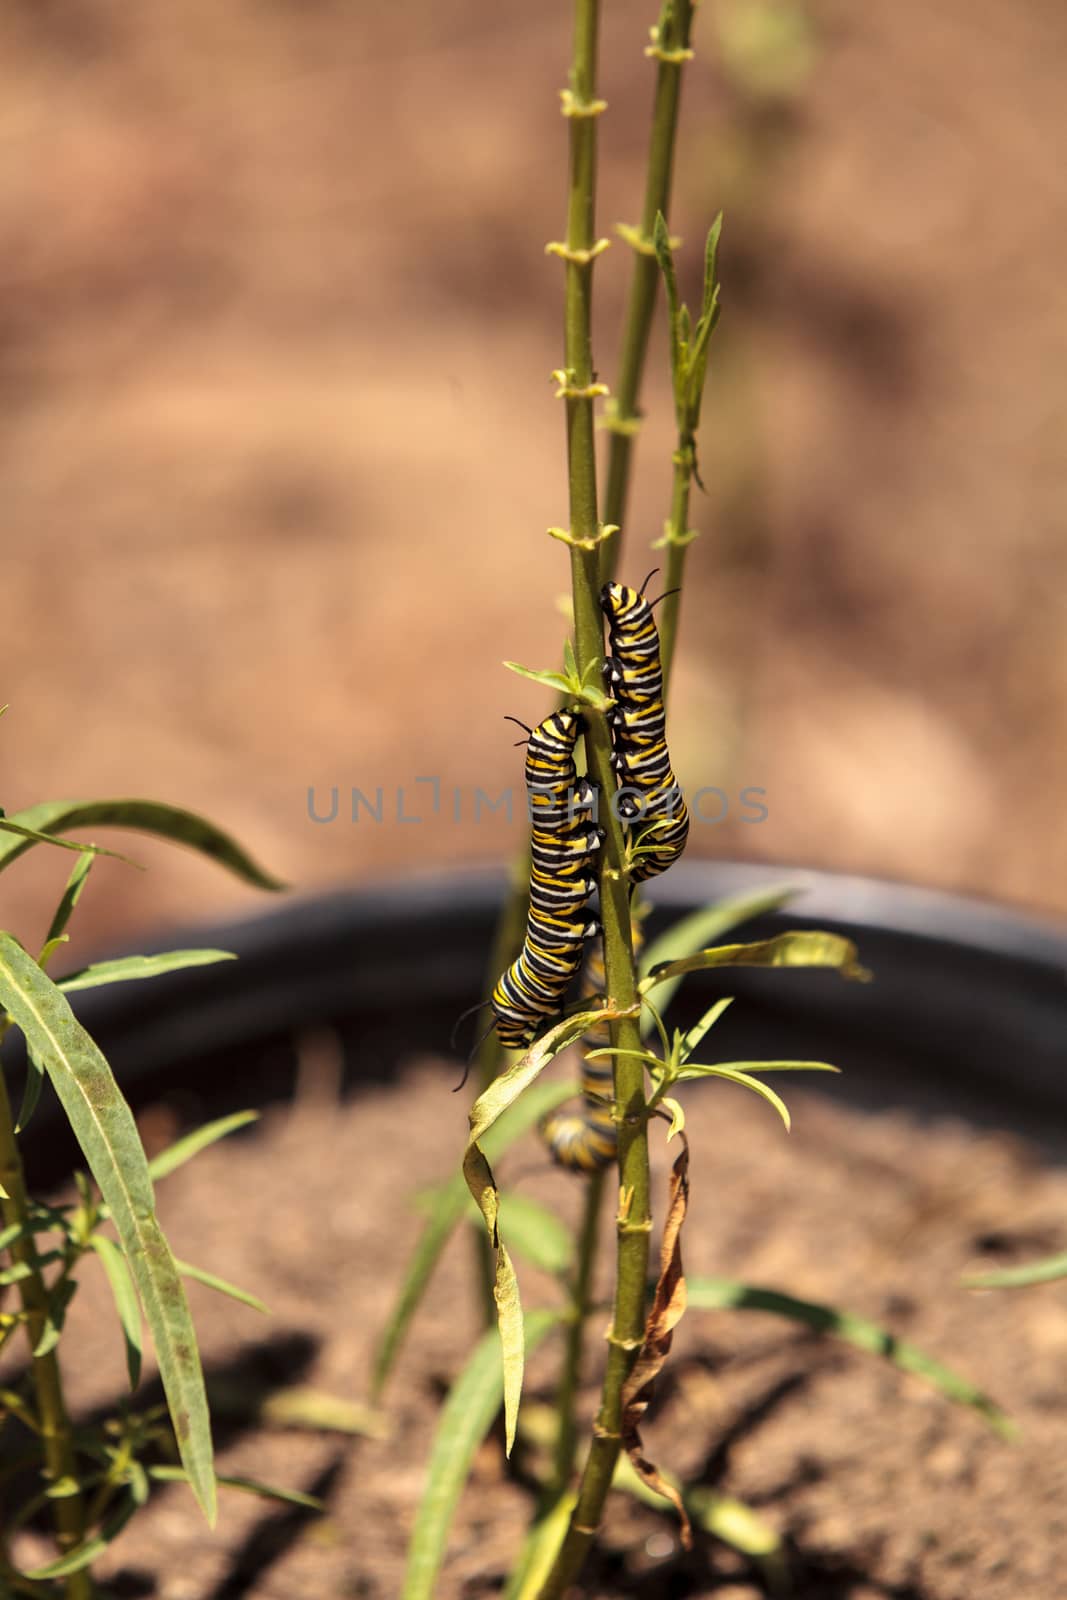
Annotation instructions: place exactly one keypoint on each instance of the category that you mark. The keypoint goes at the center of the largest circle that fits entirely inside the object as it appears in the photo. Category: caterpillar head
(619, 602)
(565, 725)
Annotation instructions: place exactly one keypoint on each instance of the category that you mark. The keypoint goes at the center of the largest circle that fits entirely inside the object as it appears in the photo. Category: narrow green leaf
(661, 240)
(699, 1029)
(501, 1093)
(698, 1069)
(745, 1081)
(126, 968)
(85, 1554)
(540, 1550)
(431, 1242)
(23, 1269)
(450, 1206)
(118, 1276)
(722, 1294)
(105, 1129)
(570, 665)
(209, 1280)
(20, 838)
(13, 1404)
(706, 325)
(473, 1402)
(677, 1115)
(71, 896)
(49, 948)
(805, 948)
(603, 1051)
(265, 1491)
(66, 1488)
(711, 267)
(59, 1300)
(550, 680)
(183, 1150)
(701, 927)
(31, 1091)
(143, 816)
(302, 1407)
(536, 1234)
(45, 1221)
(1047, 1270)
(82, 1556)
(735, 1523)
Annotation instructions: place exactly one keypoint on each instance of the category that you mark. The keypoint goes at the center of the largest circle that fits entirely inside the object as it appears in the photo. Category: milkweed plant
(86, 1482)
(570, 966)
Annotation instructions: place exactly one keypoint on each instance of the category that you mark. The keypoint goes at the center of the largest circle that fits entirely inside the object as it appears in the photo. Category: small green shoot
(721, 1294)
(469, 1412)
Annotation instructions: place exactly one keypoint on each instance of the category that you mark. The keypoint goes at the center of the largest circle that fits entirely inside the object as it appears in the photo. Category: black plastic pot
(968, 1010)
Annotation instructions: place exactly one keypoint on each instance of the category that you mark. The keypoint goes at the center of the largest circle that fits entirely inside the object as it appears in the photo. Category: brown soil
(881, 1487)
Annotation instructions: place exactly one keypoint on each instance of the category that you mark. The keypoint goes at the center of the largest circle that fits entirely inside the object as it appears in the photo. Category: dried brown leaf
(668, 1307)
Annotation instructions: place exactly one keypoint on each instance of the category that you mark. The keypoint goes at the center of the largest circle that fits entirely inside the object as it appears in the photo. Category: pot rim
(850, 900)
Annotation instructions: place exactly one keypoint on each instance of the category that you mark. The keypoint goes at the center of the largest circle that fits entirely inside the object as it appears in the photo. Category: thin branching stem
(578, 1312)
(672, 40)
(69, 1509)
(677, 538)
(579, 390)
(671, 51)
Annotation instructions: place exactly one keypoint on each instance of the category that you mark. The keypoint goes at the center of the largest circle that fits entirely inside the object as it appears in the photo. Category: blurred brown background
(279, 445)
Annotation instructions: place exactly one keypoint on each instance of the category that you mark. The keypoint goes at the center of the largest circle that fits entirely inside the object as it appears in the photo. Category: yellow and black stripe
(586, 1140)
(650, 801)
(563, 844)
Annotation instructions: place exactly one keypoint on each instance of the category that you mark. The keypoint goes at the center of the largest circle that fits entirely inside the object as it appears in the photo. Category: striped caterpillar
(586, 1140)
(563, 844)
(651, 803)
(533, 988)
(649, 797)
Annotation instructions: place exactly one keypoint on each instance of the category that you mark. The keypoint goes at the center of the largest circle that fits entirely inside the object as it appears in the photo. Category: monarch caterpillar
(641, 759)
(562, 846)
(586, 1140)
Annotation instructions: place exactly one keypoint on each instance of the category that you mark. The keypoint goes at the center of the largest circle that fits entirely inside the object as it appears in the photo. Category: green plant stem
(69, 1510)
(673, 33)
(677, 540)
(580, 1306)
(633, 1220)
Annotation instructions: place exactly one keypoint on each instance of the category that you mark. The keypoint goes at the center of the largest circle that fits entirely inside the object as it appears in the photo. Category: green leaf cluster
(689, 338)
(570, 684)
(516, 1102)
(97, 1479)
